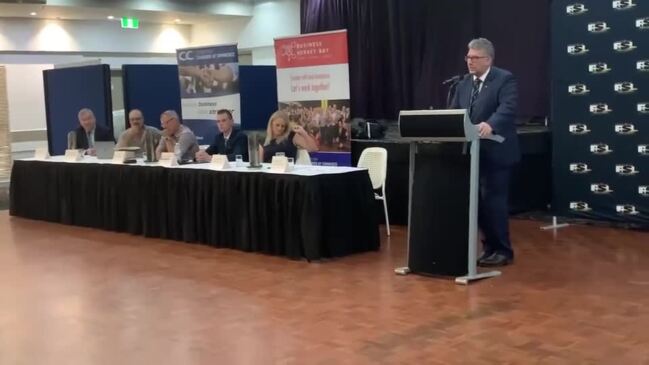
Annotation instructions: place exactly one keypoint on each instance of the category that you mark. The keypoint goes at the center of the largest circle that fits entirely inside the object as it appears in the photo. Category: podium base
(465, 280)
(402, 270)
(554, 225)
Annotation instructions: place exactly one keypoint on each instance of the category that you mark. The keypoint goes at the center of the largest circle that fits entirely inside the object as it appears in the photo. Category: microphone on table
(72, 140)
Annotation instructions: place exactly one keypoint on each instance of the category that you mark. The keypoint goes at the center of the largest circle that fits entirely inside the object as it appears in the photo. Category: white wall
(271, 19)
(115, 61)
(26, 97)
(222, 32)
(220, 7)
(26, 101)
(263, 56)
(40, 35)
(39, 41)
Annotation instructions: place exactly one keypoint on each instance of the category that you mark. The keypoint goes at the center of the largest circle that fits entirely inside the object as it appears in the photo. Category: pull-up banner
(209, 81)
(313, 88)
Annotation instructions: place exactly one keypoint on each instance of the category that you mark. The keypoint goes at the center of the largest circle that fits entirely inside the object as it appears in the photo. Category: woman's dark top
(286, 146)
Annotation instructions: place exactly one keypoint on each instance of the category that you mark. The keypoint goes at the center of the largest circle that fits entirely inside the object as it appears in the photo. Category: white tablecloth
(301, 170)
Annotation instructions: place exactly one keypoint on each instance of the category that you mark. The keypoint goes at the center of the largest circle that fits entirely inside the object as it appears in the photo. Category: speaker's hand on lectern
(485, 129)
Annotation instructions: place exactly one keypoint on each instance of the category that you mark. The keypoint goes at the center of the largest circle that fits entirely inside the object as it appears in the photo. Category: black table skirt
(288, 215)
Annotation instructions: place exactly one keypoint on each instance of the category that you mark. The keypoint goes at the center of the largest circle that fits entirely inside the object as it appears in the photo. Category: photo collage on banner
(600, 109)
(209, 81)
(313, 89)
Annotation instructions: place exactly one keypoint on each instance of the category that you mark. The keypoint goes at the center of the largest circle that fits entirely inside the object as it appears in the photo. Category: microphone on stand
(454, 79)
(451, 90)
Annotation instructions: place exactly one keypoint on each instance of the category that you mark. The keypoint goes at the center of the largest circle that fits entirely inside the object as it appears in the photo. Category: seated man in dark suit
(230, 141)
(490, 96)
(89, 132)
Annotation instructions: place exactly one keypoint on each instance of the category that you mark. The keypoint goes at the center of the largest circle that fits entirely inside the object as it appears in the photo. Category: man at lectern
(490, 96)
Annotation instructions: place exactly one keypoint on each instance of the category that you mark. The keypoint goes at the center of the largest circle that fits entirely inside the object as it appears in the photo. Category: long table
(312, 212)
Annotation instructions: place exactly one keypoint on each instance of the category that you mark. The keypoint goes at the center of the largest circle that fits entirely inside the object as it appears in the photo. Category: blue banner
(209, 81)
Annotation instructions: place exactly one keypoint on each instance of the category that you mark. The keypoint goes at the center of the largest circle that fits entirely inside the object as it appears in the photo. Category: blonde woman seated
(282, 137)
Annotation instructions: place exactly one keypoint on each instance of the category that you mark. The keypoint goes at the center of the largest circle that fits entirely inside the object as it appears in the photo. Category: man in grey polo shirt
(176, 138)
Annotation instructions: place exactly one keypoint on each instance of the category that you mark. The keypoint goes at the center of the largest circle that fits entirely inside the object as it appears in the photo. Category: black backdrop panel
(67, 90)
(600, 109)
(520, 31)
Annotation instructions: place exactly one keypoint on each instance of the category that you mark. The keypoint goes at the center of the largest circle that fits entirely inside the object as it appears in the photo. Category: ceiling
(186, 12)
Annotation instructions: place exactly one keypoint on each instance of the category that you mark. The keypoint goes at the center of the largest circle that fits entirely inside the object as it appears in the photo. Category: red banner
(313, 90)
(312, 50)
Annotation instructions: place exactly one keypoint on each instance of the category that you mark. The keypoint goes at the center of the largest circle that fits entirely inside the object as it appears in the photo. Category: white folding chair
(375, 159)
(303, 157)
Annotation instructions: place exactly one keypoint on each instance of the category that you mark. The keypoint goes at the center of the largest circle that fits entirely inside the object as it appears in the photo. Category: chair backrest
(375, 159)
(303, 157)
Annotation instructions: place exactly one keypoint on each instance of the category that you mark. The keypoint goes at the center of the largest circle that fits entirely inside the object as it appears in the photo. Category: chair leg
(385, 209)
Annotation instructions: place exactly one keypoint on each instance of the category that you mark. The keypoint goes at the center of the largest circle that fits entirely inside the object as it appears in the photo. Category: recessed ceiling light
(177, 20)
(33, 13)
(110, 17)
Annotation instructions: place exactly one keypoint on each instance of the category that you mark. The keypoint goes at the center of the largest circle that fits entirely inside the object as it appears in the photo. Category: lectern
(443, 193)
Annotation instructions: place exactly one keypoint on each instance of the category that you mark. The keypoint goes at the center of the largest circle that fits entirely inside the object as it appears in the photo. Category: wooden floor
(79, 296)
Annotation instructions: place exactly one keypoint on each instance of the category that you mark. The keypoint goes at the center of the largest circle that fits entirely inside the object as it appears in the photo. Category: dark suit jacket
(101, 134)
(237, 144)
(496, 104)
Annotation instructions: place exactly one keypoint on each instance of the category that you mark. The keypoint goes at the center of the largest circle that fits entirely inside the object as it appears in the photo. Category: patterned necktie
(476, 90)
(474, 93)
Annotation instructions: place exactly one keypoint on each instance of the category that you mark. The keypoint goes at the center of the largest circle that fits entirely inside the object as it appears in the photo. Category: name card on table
(73, 155)
(220, 162)
(168, 159)
(41, 153)
(279, 164)
(123, 156)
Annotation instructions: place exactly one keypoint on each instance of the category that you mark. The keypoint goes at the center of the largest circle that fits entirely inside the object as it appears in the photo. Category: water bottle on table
(178, 153)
